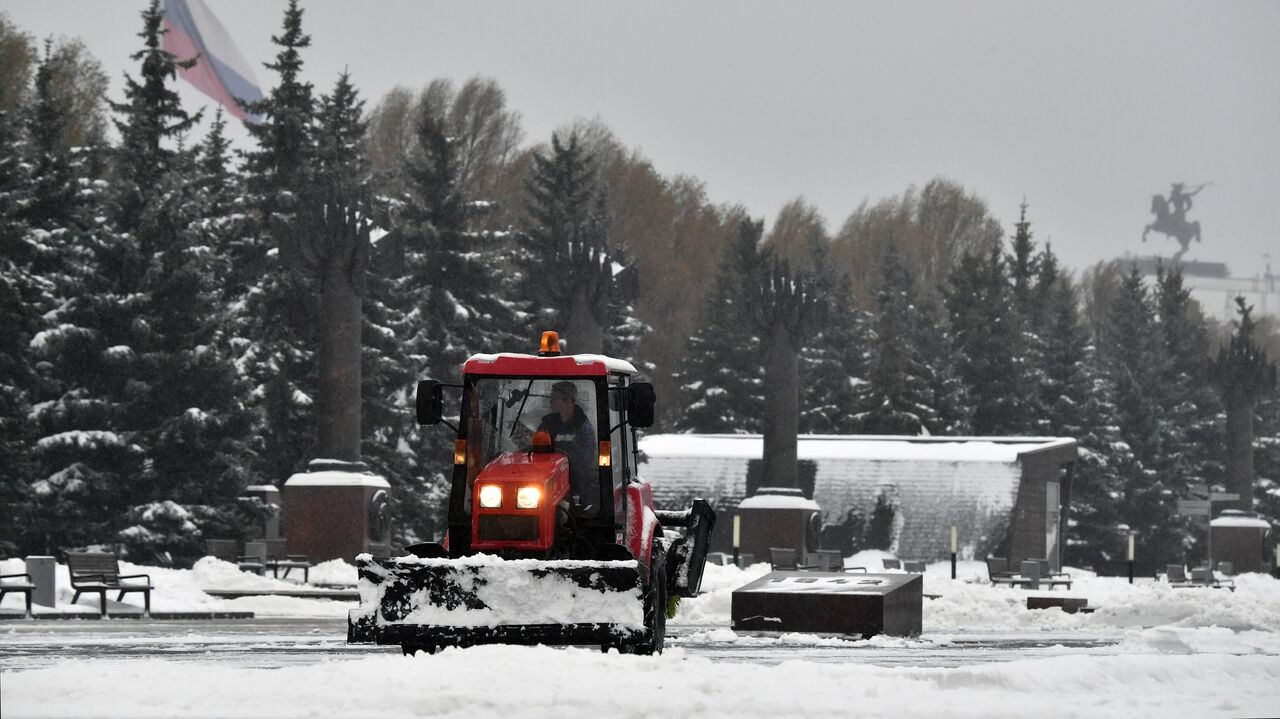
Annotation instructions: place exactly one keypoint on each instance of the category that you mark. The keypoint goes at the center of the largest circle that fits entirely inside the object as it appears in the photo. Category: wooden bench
(832, 560)
(100, 572)
(9, 583)
(1144, 568)
(998, 573)
(225, 549)
(278, 558)
(1039, 572)
(1202, 577)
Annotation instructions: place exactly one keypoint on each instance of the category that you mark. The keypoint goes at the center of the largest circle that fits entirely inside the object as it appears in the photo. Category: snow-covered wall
(934, 484)
(929, 497)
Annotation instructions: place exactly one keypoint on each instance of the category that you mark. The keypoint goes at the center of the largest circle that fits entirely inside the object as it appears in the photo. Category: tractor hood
(514, 501)
(525, 467)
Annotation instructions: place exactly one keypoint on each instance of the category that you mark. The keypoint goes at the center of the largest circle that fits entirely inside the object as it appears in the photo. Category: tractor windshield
(505, 413)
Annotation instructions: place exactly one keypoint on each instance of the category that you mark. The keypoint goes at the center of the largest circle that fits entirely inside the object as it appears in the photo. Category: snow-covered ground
(1147, 650)
(178, 590)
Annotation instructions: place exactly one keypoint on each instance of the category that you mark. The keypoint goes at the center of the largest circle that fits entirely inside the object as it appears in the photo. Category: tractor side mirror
(641, 404)
(430, 402)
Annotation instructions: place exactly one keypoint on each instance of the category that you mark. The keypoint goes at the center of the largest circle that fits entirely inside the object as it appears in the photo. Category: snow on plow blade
(431, 603)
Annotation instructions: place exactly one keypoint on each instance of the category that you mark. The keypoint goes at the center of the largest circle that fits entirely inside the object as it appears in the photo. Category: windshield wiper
(516, 422)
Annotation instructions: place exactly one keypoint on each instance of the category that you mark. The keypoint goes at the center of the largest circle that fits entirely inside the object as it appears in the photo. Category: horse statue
(1173, 224)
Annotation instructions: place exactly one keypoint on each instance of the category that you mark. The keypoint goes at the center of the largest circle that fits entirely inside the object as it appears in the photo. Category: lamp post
(954, 547)
(1131, 535)
(737, 537)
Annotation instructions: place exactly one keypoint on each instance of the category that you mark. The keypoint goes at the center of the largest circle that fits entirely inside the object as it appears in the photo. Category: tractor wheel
(655, 606)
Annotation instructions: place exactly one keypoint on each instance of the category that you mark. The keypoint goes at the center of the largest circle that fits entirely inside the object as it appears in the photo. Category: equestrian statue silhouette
(1171, 217)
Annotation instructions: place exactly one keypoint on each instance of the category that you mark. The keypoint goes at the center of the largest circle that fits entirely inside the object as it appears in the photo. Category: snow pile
(334, 573)
(1201, 640)
(182, 590)
(798, 639)
(712, 607)
(969, 603)
(513, 592)
(503, 681)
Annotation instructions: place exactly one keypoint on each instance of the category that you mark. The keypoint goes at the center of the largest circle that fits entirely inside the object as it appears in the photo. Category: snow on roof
(1239, 521)
(939, 449)
(610, 363)
(934, 483)
(778, 501)
(334, 478)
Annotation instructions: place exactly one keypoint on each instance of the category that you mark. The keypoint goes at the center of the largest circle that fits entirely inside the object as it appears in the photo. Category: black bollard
(953, 565)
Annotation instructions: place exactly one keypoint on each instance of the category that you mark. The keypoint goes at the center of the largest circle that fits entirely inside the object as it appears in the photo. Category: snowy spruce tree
(51, 210)
(325, 240)
(1189, 427)
(277, 319)
(832, 363)
(1028, 271)
(570, 276)
(151, 114)
(722, 382)
(1243, 374)
(1076, 401)
(23, 298)
(1266, 447)
(143, 420)
(186, 408)
(989, 346)
(896, 397)
(448, 292)
(1134, 361)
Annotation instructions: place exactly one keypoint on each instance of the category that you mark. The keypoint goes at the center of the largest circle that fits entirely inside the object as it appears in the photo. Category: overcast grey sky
(1087, 109)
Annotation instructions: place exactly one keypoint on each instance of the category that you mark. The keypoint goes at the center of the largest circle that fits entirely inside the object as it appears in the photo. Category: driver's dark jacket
(576, 439)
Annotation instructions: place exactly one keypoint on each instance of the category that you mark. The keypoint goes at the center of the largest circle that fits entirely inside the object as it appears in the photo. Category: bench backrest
(276, 548)
(916, 567)
(829, 560)
(783, 558)
(101, 565)
(892, 563)
(1201, 576)
(997, 567)
(1176, 573)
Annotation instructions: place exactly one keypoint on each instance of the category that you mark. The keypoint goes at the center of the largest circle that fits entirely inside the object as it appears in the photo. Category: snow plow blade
(441, 602)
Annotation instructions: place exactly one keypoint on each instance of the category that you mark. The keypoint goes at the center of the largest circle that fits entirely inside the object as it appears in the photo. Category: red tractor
(552, 535)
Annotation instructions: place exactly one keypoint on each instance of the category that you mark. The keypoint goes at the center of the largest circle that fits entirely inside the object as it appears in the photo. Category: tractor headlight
(490, 496)
(528, 497)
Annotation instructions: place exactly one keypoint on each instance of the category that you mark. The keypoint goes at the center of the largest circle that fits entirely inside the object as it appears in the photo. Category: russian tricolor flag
(221, 72)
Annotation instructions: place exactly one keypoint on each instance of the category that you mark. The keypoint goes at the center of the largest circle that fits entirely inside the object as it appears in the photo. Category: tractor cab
(544, 451)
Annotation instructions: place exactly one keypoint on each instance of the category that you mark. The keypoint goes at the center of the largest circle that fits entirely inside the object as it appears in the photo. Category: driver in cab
(573, 435)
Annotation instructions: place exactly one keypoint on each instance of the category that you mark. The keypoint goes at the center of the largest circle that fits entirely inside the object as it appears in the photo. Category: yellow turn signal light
(528, 497)
(606, 454)
(490, 496)
(459, 451)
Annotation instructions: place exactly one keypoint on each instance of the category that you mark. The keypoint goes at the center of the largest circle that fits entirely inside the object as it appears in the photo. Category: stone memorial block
(830, 602)
(1242, 539)
(43, 575)
(336, 510)
(1070, 605)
